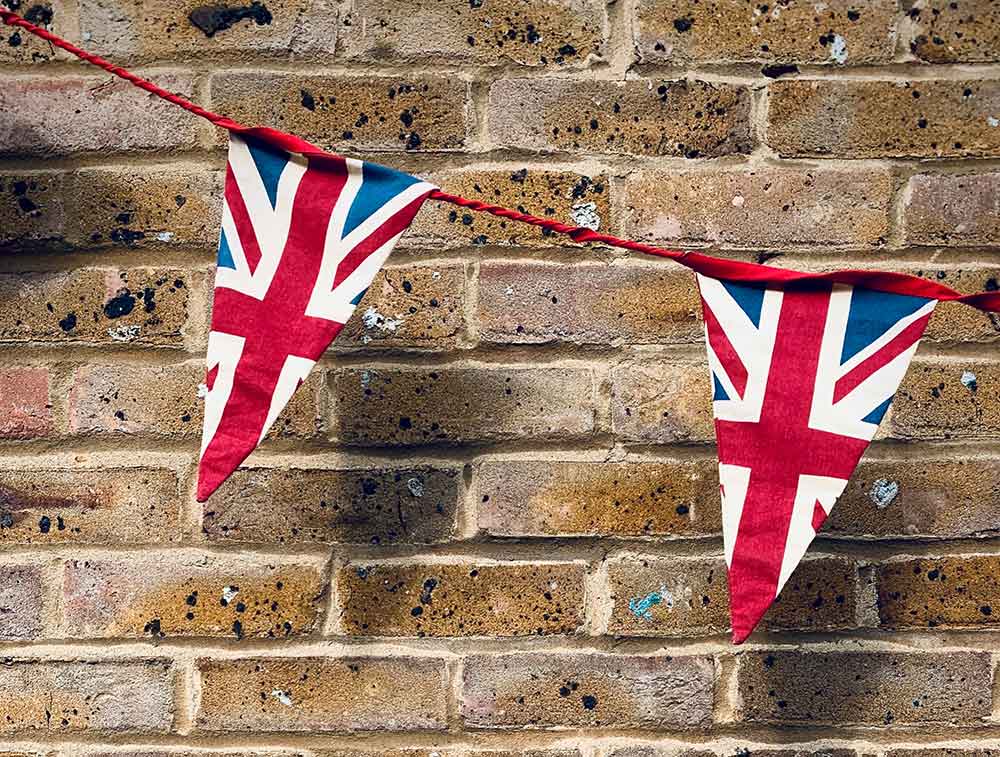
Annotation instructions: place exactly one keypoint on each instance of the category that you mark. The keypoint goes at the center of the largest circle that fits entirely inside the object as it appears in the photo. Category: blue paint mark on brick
(642, 607)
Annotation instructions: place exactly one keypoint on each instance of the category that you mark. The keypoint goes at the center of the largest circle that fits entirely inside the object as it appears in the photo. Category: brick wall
(488, 524)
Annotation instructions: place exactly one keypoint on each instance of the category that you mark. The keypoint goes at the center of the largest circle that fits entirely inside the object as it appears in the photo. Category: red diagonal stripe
(723, 349)
(896, 346)
(241, 219)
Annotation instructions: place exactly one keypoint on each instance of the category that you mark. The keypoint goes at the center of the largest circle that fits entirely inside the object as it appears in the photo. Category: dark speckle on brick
(589, 701)
(308, 101)
(683, 24)
(211, 19)
(68, 323)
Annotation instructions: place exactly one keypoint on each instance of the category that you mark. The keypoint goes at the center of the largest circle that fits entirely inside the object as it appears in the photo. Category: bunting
(804, 366)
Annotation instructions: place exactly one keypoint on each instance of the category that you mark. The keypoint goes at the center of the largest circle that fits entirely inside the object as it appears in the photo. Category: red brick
(350, 112)
(550, 32)
(25, 409)
(552, 690)
(761, 207)
(533, 303)
(141, 306)
(661, 596)
(662, 401)
(322, 694)
(20, 601)
(163, 401)
(472, 599)
(920, 497)
(942, 399)
(718, 31)
(190, 594)
(944, 31)
(394, 406)
(872, 119)
(930, 592)
(564, 498)
(105, 115)
(952, 209)
(70, 697)
(678, 118)
(874, 688)
(363, 506)
(132, 30)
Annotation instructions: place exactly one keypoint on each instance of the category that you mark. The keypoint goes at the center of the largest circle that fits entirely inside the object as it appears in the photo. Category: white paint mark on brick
(838, 49)
(416, 487)
(375, 320)
(883, 492)
(585, 214)
(283, 697)
(229, 593)
(124, 333)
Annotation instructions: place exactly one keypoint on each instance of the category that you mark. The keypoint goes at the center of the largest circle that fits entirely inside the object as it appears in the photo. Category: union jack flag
(802, 378)
(303, 236)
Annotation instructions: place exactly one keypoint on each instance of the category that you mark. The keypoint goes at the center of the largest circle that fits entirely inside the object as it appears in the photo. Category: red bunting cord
(708, 265)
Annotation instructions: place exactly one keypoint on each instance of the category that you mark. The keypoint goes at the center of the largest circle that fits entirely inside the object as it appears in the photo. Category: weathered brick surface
(679, 118)
(114, 505)
(932, 592)
(132, 30)
(944, 31)
(523, 303)
(948, 399)
(142, 306)
(367, 506)
(322, 694)
(189, 594)
(871, 119)
(554, 498)
(420, 306)
(553, 32)
(662, 401)
(864, 687)
(20, 601)
(669, 597)
(164, 402)
(561, 195)
(32, 207)
(25, 407)
(507, 599)
(839, 32)
(58, 696)
(351, 112)
(394, 406)
(20, 47)
(117, 117)
(761, 207)
(956, 323)
(952, 210)
(919, 498)
(560, 690)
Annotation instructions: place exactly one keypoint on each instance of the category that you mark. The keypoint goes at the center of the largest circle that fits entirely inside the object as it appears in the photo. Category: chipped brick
(20, 601)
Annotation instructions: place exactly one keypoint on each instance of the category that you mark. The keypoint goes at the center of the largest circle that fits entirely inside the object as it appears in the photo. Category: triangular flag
(802, 376)
(303, 235)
